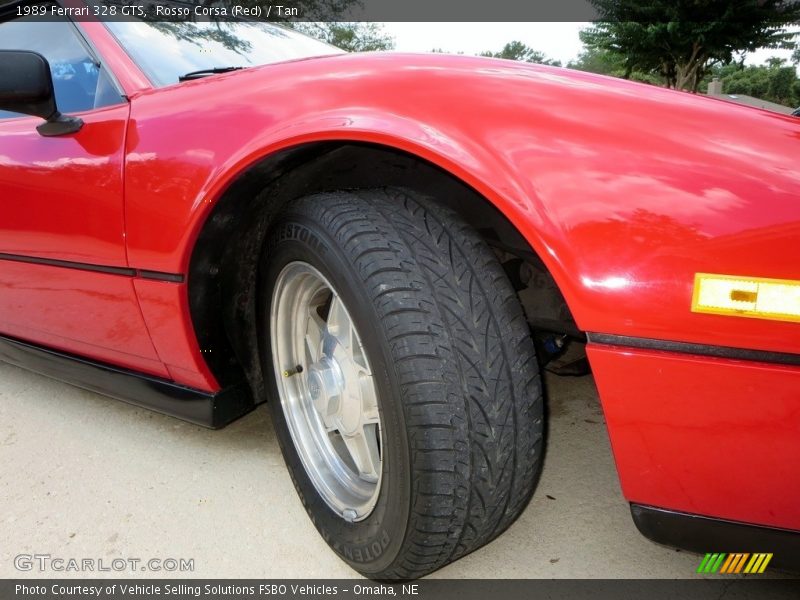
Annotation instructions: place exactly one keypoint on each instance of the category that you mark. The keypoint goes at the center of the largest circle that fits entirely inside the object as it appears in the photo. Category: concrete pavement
(84, 476)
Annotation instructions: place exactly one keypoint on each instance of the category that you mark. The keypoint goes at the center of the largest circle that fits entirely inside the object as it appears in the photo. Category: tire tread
(462, 352)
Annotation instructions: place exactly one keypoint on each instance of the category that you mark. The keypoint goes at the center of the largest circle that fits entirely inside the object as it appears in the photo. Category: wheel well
(223, 270)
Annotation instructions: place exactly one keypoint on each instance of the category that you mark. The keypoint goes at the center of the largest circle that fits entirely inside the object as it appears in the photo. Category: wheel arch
(222, 261)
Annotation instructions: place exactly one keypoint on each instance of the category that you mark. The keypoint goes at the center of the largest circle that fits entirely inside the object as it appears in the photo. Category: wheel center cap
(315, 386)
(325, 385)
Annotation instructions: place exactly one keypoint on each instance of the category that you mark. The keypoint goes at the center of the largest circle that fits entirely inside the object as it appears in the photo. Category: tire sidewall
(370, 545)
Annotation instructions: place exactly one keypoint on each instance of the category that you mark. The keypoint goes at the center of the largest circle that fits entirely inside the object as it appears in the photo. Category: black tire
(459, 390)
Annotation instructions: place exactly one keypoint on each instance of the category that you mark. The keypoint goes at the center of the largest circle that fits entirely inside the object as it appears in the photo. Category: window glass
(165, 51)
(79, 84)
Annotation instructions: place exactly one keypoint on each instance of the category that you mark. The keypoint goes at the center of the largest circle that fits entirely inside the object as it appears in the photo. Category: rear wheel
(407, 399)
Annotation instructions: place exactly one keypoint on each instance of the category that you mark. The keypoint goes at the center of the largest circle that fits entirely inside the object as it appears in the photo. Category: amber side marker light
(755, 297)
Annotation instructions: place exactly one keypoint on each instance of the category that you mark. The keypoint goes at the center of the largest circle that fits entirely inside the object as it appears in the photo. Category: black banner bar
(318, 10)
(739, 587)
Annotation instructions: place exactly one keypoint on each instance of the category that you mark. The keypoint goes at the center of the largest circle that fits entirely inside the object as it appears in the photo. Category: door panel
(61, 202)
(92, 314)
(61, 197)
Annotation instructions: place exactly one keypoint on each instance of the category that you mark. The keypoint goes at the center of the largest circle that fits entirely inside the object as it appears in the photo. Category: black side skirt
(704, 534)
(213, 410)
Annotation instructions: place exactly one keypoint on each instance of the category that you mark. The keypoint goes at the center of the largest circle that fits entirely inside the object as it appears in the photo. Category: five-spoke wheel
(327, 391)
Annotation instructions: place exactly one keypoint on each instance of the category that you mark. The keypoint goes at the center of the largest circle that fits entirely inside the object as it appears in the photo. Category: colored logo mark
(737, 562)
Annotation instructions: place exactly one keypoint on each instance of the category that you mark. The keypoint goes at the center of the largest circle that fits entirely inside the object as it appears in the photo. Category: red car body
(624, 191)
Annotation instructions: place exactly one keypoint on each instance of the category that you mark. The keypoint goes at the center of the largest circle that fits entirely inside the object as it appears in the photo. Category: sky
(557, 40)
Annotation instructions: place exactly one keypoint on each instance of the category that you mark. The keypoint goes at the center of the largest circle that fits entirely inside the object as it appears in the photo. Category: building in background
(715, 91)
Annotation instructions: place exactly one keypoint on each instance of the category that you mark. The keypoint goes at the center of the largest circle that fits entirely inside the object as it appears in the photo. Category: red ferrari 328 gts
(198, 218)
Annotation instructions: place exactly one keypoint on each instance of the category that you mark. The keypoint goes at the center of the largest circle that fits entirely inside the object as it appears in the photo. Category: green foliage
(679, 40)
(605, 62)
(782, 86)
(600, 61)
(774, 81)
(518, 51)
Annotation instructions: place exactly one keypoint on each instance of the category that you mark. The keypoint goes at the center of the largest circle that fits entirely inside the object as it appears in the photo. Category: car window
(78, 82)
(165, 51)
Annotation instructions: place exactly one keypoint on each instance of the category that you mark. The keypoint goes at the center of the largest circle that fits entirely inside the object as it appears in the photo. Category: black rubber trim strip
(707, 534)
(68, 264)
(782, 358)
(159, 276)
(51, 262)
(212, 410)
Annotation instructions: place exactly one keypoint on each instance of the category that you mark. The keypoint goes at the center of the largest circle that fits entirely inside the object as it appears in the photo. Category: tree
(682, 39)
(518, 51)
(775, 62)
(773, 81)
(350, 36)
(604, 62)
(782, 86)
(596, 60)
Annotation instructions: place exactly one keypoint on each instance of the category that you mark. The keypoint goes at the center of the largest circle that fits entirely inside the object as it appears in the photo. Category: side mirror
(26, 86)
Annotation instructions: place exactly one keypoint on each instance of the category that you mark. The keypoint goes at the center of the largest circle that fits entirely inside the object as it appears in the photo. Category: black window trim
(94, 53)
